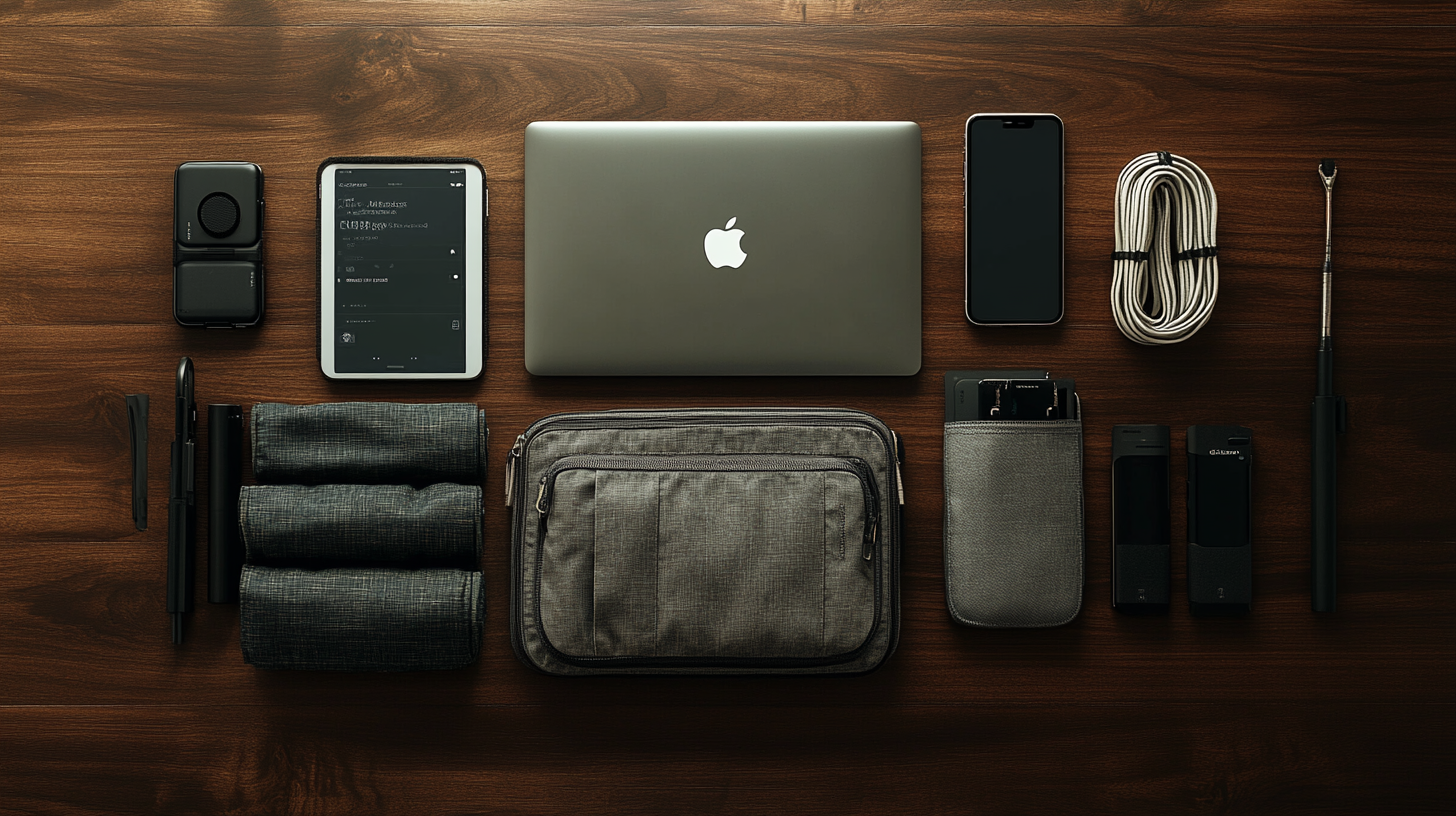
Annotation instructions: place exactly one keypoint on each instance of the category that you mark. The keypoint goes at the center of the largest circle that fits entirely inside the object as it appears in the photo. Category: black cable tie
(1164, 157)
(1201, 252)
(1130, 256)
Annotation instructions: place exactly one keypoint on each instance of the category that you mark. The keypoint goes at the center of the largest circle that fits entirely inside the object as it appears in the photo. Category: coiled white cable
(1165, 260)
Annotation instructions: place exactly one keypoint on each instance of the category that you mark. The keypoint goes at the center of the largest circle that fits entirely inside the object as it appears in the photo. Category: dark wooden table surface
(1284, 711)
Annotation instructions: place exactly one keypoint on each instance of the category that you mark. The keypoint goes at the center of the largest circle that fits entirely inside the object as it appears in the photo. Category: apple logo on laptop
(721, 246)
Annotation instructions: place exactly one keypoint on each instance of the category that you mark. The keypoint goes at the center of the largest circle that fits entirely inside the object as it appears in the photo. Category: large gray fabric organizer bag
(705, 542)
(1013, 522)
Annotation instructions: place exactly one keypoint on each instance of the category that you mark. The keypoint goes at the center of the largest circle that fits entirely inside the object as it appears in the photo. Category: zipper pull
(511, 469)
(543, 498)
(899, 463)
(872, 535)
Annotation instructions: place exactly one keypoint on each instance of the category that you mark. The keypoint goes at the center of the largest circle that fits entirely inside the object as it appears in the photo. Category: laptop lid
(737, 248)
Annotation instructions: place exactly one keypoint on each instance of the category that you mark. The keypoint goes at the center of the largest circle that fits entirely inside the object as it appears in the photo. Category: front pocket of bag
(737, 556)
(1014, 540)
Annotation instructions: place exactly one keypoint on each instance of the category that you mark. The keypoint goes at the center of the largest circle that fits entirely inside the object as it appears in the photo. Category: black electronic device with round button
(217, 251)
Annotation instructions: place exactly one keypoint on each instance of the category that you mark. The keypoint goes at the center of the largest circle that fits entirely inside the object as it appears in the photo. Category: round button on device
(218, 214)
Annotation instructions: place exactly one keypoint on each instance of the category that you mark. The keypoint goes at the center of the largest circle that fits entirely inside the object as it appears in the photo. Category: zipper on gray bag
(723, 463)
(511, 459)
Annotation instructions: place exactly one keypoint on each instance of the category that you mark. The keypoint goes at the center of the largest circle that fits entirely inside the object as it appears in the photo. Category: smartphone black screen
(1141, 500)
(399, 276)
(1014, 219)
(1222, 500)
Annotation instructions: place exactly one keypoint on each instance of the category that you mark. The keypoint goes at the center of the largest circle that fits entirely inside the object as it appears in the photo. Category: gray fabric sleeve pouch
(1013, 522)
(438, 526)
(361, 619)
(368, 443)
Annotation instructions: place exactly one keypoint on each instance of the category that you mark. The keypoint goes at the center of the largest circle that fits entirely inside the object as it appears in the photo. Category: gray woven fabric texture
(327, 525)
(1013, 522)
(368, 443)
(361, 619)
(688, 573)
(324, 586)
(706, 564)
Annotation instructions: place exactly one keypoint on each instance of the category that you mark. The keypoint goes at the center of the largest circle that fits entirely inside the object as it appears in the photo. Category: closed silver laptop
(738, 248)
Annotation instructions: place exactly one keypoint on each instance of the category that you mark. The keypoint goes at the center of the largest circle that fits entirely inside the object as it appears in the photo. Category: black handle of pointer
(1328, 421)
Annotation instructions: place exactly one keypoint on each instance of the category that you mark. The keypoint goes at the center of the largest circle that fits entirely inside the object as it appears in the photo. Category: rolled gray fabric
(361, 619)
(293, 525)
(368, 443)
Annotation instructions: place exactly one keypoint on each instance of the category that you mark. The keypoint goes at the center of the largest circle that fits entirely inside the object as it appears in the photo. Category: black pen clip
(136, 417)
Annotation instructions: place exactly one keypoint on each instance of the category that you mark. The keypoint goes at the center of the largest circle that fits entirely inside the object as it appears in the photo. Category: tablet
(401, 269)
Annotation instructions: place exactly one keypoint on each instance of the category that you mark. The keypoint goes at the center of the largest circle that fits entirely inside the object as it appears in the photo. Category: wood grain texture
(644, 758)
(1283, 711)
(1193, 13)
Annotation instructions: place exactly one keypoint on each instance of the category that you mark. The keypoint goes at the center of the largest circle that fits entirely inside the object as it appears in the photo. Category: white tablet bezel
(474, 274)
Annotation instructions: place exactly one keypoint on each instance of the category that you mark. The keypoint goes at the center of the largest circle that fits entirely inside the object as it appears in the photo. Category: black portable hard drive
(217, 251)
(1140, 519)
(1220, 528)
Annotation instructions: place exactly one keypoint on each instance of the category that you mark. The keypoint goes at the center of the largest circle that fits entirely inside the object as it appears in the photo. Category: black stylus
(182, 503)
(1328, 419)
(136, 418)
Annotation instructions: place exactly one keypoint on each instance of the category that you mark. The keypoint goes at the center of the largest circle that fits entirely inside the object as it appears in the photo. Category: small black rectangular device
(1220, 528)
(217, 248)
(1026, 395)
(1014, 212)
(1140, 519)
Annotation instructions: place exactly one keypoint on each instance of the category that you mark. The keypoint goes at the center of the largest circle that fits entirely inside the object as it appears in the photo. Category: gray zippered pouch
(705, 542)
(1013, 522)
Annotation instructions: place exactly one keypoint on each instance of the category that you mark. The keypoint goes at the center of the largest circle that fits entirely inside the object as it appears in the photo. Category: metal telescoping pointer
(1328, 419)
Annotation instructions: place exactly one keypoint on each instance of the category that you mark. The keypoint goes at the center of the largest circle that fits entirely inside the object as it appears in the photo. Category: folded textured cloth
(437, 526)
(368, 443)
(361, 619)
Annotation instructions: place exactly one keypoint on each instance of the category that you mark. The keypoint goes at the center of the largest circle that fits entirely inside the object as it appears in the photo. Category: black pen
(182, 504)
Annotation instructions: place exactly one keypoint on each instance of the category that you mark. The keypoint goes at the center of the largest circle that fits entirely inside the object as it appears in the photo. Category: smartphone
(402, 269)
(1140, 519)
(1013, 202)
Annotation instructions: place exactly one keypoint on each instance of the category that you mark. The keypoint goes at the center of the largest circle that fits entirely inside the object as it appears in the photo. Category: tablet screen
(399, 270)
